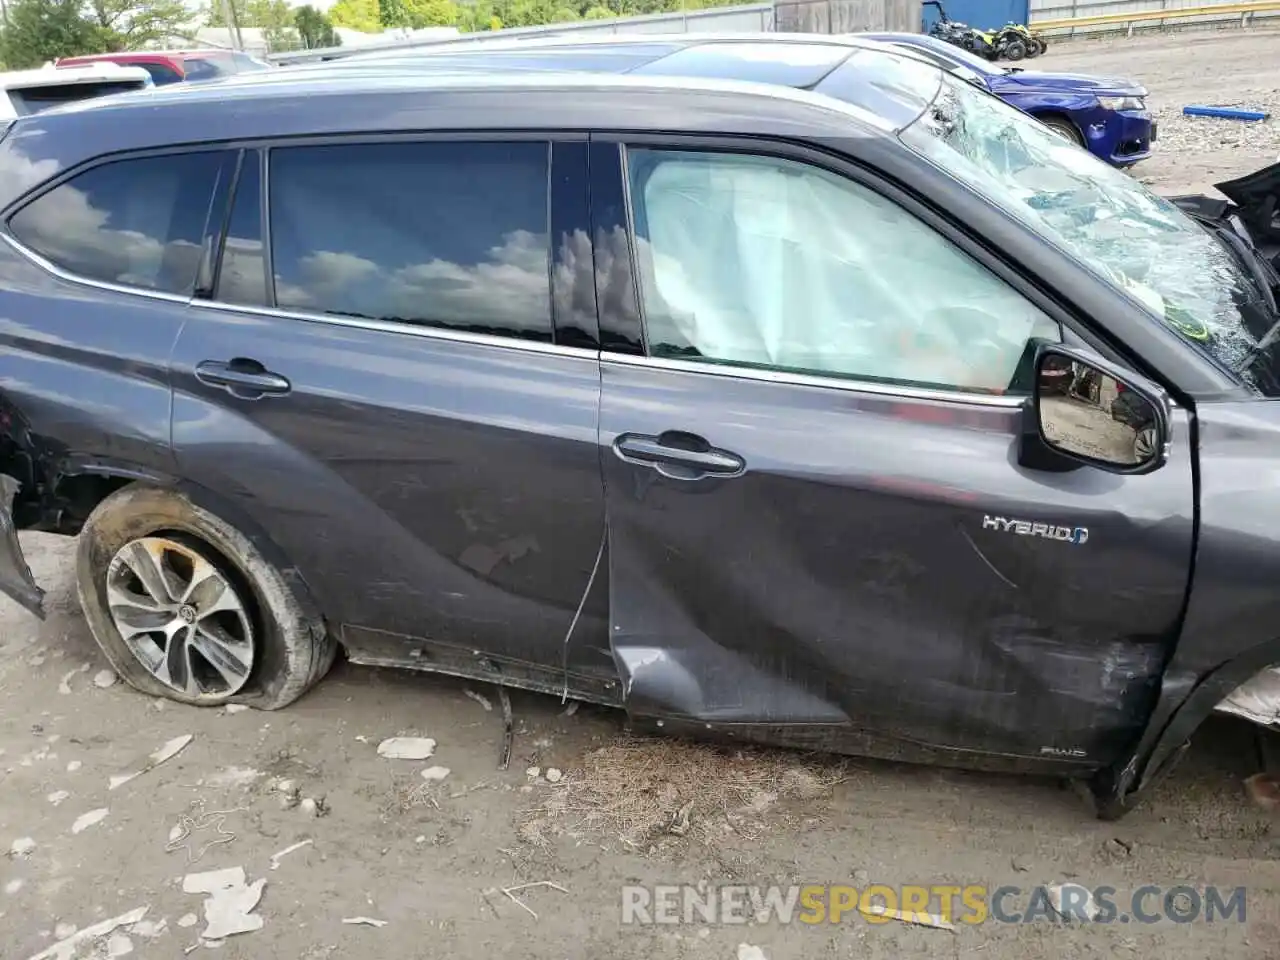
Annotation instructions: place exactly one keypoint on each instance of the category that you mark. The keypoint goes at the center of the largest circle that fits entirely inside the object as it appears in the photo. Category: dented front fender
(15, 576)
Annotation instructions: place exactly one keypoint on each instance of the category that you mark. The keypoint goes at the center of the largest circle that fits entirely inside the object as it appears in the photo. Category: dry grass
(642, 790)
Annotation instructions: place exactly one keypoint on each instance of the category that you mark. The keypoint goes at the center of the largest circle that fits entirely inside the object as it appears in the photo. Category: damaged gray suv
(884, 422)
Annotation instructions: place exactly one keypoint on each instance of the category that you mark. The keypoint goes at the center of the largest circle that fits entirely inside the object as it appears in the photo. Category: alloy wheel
(182, 618)
(1144, 444)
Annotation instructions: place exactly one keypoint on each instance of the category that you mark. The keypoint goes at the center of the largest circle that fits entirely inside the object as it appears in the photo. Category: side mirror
(1090, 412)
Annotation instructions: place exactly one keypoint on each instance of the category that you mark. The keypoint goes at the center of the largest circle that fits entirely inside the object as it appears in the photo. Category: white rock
(1081, 905)
(364, 921)
(119, 945)
(747, 951)
(13, 886)
(534, 772)
(22, 847)
(70, 946)
(168, 751)
(104, 679)
(287, 786)
(58, 796)
(188, 920)
(175, 833)
(310, 807)
(149, 929)
(407, 748)
(210, 881)
(63, 930)
(236, 708)
(554, 775)
(435, 773)
(228, 911)
(87, 820)
(73, 766)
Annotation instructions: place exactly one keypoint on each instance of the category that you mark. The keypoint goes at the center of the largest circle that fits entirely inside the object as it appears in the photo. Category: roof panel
(784, 64)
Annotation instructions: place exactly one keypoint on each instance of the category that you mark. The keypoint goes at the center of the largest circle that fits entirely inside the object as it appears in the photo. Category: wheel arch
(1184, 706)
(94, 481)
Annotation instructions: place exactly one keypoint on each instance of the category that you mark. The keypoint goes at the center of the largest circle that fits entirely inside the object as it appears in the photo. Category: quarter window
(138, 223)
(771, 263)
(431, 234)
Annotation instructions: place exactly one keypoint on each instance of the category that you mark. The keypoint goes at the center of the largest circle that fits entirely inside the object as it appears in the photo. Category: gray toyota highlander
(870, 417)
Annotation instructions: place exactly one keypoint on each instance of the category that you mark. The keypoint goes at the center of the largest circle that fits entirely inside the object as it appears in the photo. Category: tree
(416, 14)
(598, 12)
(478, 16)
(273, 17)
(356, 15)
(431, 13)
(314, 28)
(43, 30)
(132, 24)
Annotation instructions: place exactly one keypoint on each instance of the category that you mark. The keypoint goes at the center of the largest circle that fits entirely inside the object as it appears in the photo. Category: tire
(1015, 50)
(1144, 444)
(270, 650)
(1064, 128)
(1037, 47)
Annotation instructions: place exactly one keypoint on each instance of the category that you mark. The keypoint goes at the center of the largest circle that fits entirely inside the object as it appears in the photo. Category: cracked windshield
(1139, 242)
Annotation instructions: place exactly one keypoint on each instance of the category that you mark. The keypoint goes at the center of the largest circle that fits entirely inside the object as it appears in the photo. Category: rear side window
(138, 223)
(430, 234)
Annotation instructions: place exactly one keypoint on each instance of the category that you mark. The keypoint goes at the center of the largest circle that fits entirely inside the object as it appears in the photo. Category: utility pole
(233, 25)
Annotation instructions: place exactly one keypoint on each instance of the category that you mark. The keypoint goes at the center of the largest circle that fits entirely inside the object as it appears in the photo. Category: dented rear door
(851, 560)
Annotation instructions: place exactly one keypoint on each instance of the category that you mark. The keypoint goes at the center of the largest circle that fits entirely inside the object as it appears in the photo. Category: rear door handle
(243, 378)
(678, 455)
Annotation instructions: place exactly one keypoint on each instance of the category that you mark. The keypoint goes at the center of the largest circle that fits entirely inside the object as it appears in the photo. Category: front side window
(137, 223)
(439, 234)
(771, 263)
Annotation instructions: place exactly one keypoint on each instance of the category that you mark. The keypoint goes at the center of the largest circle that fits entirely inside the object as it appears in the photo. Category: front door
(810, 469)
(384, 395)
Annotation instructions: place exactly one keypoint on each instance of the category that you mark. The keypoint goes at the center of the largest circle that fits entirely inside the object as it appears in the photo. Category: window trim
(261, 146)
(31, 196)
(866, 178)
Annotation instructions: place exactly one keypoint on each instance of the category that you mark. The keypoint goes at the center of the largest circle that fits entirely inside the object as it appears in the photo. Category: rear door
(810, 436)
(398, 386)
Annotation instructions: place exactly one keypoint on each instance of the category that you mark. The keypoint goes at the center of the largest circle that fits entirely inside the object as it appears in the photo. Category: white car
(30, 91)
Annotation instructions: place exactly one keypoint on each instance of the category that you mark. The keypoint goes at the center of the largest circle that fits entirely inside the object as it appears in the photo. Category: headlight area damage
(15, 576)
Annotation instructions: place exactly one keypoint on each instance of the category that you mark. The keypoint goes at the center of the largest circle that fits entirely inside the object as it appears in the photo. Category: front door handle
(678, 455)
(243, 378)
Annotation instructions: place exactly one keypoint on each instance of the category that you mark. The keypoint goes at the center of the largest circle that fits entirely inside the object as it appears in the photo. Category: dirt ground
(432, 860)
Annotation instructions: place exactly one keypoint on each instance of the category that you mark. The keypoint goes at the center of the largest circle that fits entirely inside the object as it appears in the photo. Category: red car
(174, 66)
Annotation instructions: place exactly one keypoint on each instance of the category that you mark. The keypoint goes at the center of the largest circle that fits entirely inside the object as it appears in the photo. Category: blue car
(1106, 115)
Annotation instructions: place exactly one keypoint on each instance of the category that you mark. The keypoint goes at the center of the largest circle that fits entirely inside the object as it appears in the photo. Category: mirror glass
(1087, 413)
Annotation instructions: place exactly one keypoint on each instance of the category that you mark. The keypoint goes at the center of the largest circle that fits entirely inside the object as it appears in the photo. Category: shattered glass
(1140, 243)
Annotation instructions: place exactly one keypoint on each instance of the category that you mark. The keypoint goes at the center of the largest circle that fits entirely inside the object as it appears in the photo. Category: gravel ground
(1226, 68)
